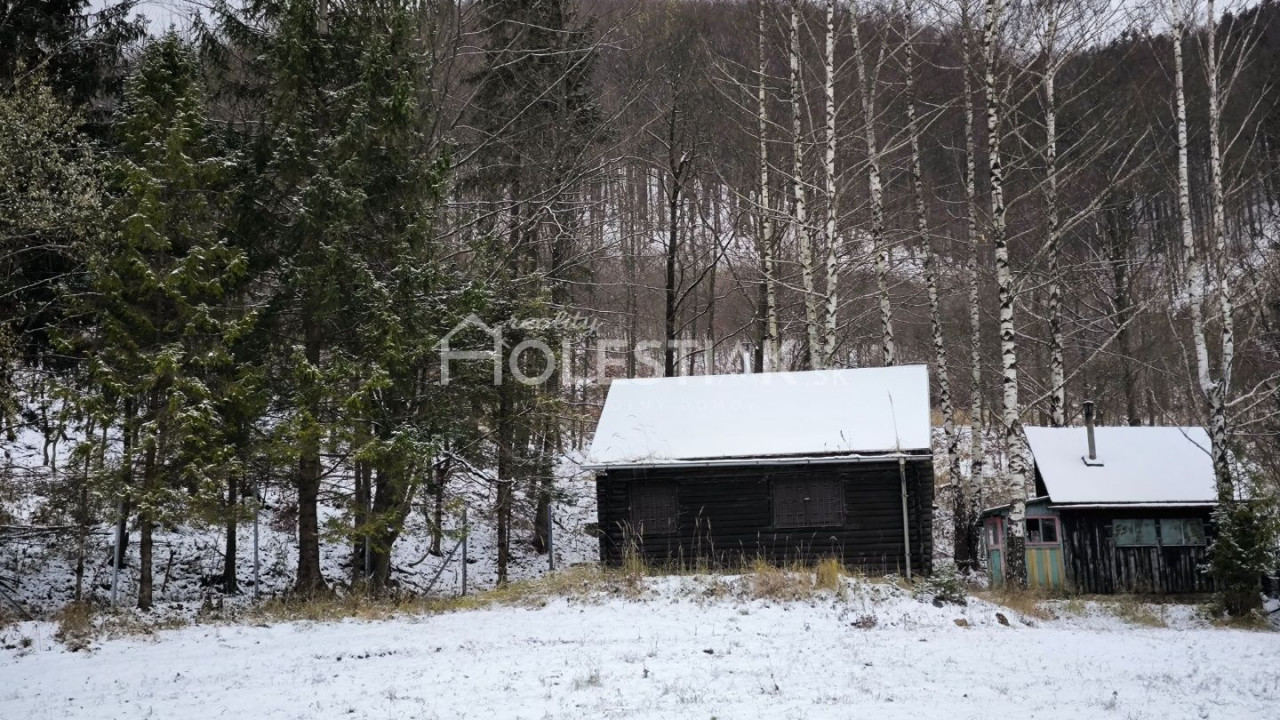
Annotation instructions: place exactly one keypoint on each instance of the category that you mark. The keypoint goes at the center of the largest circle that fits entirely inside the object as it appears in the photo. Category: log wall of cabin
(725, 517)
(1096, 565)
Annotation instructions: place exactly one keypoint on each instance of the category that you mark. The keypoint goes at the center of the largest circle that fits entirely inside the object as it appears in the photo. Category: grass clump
(828, 575)
(765, 580)
(75, 626)
(1136, 612)
(1027, 602)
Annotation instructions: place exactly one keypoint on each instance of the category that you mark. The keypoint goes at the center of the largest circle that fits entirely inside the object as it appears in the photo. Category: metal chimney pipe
(1088, 426)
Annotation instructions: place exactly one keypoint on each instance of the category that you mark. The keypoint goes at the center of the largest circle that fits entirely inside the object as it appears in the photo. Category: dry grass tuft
(580, 582)
(765, 580)
(75, 626)
(1028, 603)
(1136, 612)
(828, 575)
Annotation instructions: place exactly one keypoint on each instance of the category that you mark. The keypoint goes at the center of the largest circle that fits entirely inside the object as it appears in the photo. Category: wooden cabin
(787, 467)
(1117, 510)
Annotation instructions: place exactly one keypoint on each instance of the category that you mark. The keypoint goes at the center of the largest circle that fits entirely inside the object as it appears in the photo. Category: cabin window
(1042, 531)
(1182, 531)
(1128, 533)
(807, 502)
(654, 510)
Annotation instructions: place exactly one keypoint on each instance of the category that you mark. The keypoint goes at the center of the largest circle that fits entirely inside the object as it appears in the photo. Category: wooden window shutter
(808, 502)
(654, 508)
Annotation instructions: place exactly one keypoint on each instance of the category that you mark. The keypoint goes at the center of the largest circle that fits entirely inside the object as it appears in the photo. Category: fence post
(257, 510)
(465, 533)
(551, 538)
(121, 528)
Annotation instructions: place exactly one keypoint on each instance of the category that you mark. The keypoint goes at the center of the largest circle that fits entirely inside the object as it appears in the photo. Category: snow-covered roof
(818, 413)
(1160, 465)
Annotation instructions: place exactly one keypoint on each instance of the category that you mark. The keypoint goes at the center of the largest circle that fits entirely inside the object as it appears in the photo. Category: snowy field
(685, 648)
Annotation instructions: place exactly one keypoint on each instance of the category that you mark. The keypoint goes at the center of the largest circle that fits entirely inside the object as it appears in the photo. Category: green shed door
(994, 535)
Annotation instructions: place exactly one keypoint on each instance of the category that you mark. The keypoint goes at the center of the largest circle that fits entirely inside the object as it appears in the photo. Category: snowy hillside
(685, 647)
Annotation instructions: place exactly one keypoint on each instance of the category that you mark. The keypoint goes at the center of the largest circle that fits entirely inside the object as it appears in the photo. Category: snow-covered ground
(684, 648)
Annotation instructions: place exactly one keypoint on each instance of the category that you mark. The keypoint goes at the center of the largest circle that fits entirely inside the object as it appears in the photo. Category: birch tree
(1218, 390)
(951, 454)
(1015, 553)
(965, 522)
(829, 177)
(1057, 363)
(772, 355)
(866, 88)
(799, 218)
(1193, 268)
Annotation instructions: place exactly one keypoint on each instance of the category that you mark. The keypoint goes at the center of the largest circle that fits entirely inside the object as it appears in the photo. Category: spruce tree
(341, 218)
(161, 324)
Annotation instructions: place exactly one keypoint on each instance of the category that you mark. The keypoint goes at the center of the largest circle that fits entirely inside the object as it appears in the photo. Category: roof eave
(761, 460)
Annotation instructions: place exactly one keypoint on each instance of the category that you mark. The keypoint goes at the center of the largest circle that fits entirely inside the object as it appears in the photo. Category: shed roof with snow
(1134, 465)
(759, 416)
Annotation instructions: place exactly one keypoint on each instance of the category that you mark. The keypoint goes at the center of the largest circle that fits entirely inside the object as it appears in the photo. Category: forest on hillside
(233, 251)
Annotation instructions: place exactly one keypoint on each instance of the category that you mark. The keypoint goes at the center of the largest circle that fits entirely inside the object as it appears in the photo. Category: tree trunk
(671, 309)
(544, 489)
(1119, 231)
(127, 441)
(967, 518)
(800, 221)
(867, 88)
(1015, 561)
(229, 584)
(439, 476)
(394, 489)
(1057, 363)
(506, 469)
(82, 517)
(1219, 435)
(1213, 390)
(829, 175)
(146, 517)
(951, 441)
(770, 354)
(362, 501)
(310, 578)
(145, 581)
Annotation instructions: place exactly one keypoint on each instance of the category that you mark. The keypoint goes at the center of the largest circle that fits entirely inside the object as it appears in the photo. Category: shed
(782, 466)
(1117, 510)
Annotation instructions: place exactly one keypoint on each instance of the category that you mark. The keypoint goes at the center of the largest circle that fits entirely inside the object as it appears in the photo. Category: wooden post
(257, 509)
(551, 543)
(906, 529)
(464, 550)
(121, 528)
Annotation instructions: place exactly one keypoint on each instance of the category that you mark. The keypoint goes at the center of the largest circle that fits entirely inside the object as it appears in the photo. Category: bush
(946, 585)
(1243, 551)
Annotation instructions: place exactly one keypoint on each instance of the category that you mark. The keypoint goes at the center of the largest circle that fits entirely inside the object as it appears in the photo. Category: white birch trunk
(1218, 393)
(977, 430)
(773, 345)
(1015, 560)
(867, 95)
(800, 223)
(951, 441)
(829, 167)
(1191, 259)
(1057, 361)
